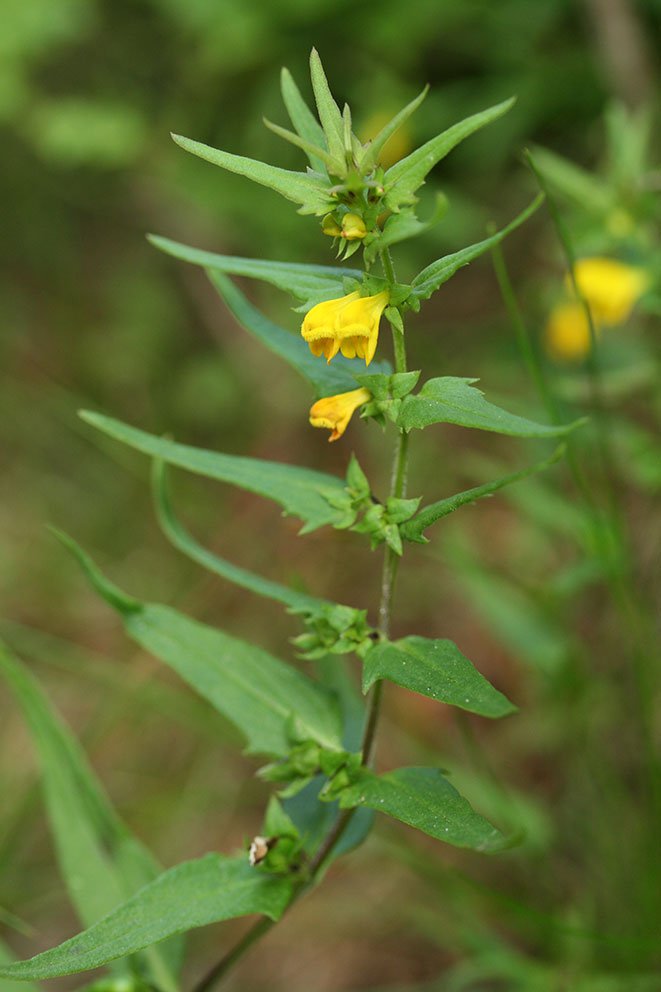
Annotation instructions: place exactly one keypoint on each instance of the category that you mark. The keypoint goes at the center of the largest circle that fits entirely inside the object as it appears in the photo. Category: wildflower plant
(315, 733)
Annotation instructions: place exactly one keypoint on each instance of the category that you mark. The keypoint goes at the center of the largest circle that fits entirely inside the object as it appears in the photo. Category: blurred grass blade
(258, 693)
(310, 193)
(300, 491)
(182, 540)
(327, 108)
(438, 272)
(302, 118)
(436, 669)
(374, 148)
(424, 799)
(101, 862)
(191, 895)
(404, 178)
(327, 378)
(308, 283)
(453, 400)
(578, 184)
(413, 530)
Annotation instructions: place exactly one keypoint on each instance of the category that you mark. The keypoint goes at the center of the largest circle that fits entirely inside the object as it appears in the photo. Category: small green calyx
(343, 775)
(382, 522)
(278, 850)
(387, 391)
(335, 629)
(354, 498)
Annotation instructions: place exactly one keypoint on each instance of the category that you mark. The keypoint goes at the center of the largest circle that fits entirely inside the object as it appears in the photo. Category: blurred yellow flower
(567, 332)
(335, 412)
(611, 288)
(349, 324)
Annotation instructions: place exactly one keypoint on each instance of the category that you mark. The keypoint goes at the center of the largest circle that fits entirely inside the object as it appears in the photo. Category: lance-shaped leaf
(193, 894)
(101, 862)
(438, 272)
(453, 400)
(300, 491)
(5, 959)
(308, 283)
(424, 799)
(304, 121)
(373, 149)
(437, 669)
(261, 695)
(310, 192)
(179, 536)
(328, 378)
(413, 530)
(328, 110)
(406, 176)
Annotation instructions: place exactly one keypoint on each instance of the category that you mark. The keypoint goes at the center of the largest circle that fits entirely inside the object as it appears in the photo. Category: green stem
(388, 577)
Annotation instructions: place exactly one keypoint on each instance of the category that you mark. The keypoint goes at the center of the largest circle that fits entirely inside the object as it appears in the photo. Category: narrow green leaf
(452, 400)
(101, 862)
(404, 177)
(182, 540)
(412, 530)
(300, 491)
(338, 376)
(193, 894)
(308, 283)
(256, 692)
(302, 118)
(312, 150)
(424, 799)
(434, 275)
(437, 669)
(371, 157)
(304, 189)
(328, 110)
(7, 958)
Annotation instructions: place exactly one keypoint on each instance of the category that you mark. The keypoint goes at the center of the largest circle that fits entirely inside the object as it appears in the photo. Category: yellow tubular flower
(353, 227)
(611, 288)
(335, 412)
(349, 324)
(567, 332)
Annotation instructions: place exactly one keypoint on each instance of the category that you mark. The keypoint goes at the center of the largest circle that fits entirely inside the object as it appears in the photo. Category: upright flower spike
(335, 412)
(611, 288)
(349, 324)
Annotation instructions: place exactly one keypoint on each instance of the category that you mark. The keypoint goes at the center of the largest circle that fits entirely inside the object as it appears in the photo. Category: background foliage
(96, 318)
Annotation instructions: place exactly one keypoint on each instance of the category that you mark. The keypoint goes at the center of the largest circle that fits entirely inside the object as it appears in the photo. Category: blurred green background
(527, 584)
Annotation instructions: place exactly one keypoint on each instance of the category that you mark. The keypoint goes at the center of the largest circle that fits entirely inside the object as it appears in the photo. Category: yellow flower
(330, 227)
(335, 412)
(567, 332)
(349, 324)
(353, 227)
(610, 287)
